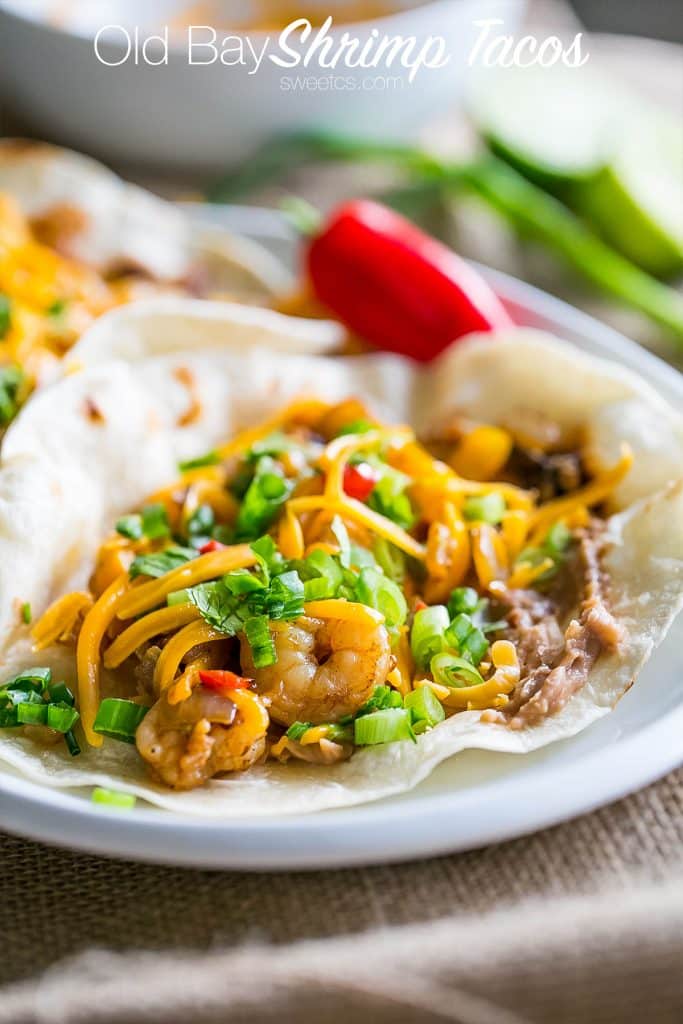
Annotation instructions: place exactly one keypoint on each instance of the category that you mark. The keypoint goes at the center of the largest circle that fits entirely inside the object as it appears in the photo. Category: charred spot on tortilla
(92, 412)
(57, 226)
(188, 380)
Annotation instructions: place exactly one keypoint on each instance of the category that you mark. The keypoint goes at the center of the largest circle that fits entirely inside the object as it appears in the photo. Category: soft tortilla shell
(65, 478)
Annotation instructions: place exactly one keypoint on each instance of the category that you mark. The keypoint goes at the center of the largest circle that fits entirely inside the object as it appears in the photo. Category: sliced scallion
(130, 526)
(485, 508)
(210, 459)
(463, 599)
(385, 726)
(61, 694)
(118, 719)
(155, 521)
(72, 744)
(424, 706)
(32, 714)
(450, 670)
(61, 717)
(377, 591)
(112, 798)
(258, 636)
(427, 634)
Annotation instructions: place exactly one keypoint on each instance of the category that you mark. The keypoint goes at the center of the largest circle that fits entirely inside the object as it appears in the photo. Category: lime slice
(544, 121)
(636, 202)
(611, 157)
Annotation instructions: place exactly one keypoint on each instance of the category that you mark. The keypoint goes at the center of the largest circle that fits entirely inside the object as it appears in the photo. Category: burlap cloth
(581, 923)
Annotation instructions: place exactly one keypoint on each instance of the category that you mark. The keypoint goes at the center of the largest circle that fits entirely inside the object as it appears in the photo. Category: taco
(334, 573)
(76, 241)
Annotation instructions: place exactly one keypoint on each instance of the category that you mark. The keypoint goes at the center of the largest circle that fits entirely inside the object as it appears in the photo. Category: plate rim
(380, 831)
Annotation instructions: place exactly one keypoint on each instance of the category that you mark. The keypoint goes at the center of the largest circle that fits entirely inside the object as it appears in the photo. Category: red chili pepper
(224, 680)
(360, 480)
(395, 286)
(211, 545)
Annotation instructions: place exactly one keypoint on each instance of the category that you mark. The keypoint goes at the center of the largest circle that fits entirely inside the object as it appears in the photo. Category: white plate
(475, 798)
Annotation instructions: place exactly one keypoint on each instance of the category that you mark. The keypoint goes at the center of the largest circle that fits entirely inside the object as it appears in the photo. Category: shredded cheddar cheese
(165, 620)
(207, 567)
(95, 625)
(364, 516)
(178, 647)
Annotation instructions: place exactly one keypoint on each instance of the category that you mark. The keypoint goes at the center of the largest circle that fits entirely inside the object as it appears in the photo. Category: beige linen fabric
(579, 923)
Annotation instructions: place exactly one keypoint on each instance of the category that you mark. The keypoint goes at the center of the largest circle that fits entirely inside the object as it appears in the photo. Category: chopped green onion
(200, 525)
(241, 581)
(286, 596)
(557, 540)
(327, 567)
(388, 496)
(72, 744)
(37, 679)
(341, 535)
(427, 634)
(130, 527)
(361, 558)
(57, 308)
(268, 555)
(338, 733)
(424, 706)
(355, 427)
(263, 499)
(210, 459)
(61, 717)
(11, 380)
(386, 726)
(155, 521)
(32, 714)
(390, 559)
(178, 597)
(5, 316)
(458, 631)
(463, 599)
(475, 646)
(112, 798)
(448, 670)
(61, 694)
(383, 697)
(161, 562)
(262, 645)
(118, 719)
(316, 589)
(20, 696)
(26, 613)
(297, 730)
(485, 508)
(8, 718)
(375, 590)
(274, 444)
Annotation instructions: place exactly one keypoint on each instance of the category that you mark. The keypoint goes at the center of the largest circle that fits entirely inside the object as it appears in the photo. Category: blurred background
(581, 192)
(659, 19)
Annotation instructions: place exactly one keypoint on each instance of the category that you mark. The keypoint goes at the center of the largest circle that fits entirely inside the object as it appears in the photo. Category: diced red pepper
(211, 545)
(221, 679)
(395, 286)
(360, 480)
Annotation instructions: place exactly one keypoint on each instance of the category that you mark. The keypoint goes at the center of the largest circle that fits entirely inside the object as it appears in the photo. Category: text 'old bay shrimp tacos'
(335, 573)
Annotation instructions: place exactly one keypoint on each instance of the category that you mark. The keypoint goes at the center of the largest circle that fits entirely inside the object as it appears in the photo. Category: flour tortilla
(124, 224)
(64, 480)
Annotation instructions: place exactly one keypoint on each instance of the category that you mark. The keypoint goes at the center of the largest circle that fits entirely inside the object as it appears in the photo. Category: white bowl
(205, 117)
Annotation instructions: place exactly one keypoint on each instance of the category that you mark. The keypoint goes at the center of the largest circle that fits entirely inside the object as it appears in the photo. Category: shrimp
(185, 744)
(325, 669)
